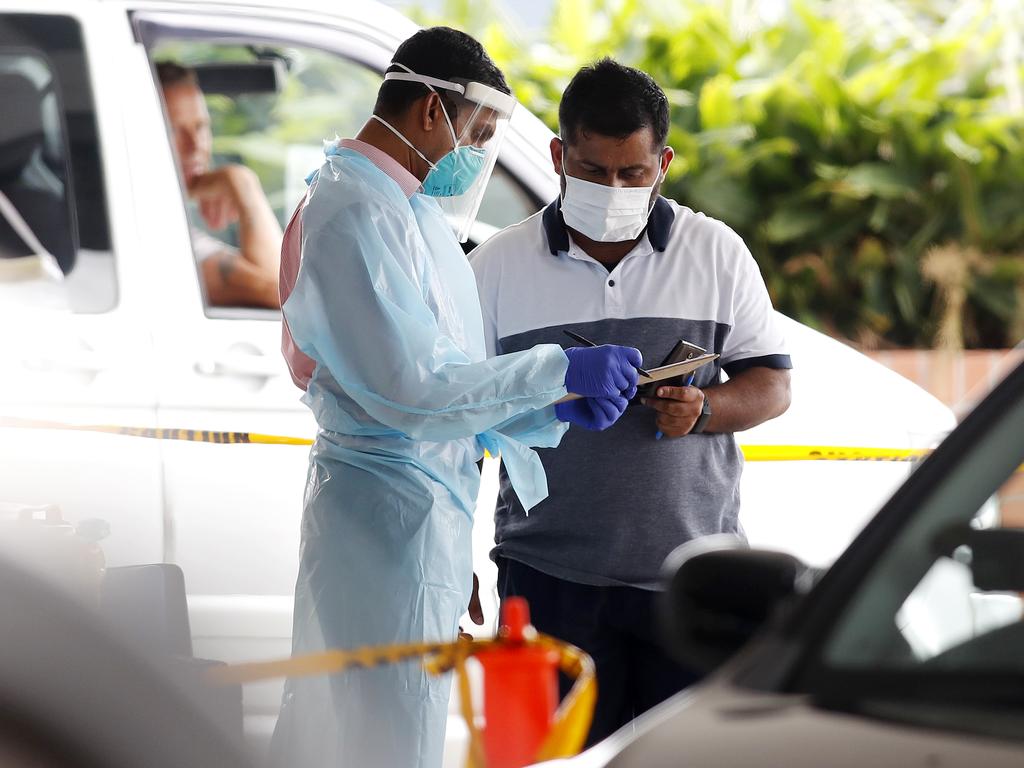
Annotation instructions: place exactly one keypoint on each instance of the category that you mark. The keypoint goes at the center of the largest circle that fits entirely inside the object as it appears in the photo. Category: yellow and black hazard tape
(750, 452)
(568, 731)
(160, 433)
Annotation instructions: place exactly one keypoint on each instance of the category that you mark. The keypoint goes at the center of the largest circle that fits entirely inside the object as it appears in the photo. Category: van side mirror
(238, 78)
(719, 593)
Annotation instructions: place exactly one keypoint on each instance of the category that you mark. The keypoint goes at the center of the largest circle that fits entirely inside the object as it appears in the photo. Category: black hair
(171, 73)
(440, 52)
(614, 100)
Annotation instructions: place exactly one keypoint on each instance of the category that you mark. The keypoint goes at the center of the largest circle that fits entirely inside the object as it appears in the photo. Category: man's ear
(556, 154)
(430, 111)
(666, 159)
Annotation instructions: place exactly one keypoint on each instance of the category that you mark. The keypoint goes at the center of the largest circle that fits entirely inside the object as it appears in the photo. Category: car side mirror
(719, 593)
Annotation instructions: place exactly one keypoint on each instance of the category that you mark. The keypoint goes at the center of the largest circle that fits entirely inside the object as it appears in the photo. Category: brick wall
(957, 379)
(952, 377)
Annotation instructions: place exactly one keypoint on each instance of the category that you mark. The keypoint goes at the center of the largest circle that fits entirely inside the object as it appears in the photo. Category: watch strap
(704, 418)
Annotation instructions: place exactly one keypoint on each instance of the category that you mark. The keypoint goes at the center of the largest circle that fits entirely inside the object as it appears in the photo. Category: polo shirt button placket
(612, 292)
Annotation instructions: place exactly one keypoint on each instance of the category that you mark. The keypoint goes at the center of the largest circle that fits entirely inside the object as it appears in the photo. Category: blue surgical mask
(454, 173)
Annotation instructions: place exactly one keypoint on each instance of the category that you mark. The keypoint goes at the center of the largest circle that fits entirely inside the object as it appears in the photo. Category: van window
(272, 107)
(54, 234)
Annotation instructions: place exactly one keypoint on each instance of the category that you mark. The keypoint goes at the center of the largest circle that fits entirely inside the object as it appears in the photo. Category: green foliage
(844, 163)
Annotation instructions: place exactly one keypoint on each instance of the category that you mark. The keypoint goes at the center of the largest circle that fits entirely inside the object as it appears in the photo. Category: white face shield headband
(459, 179)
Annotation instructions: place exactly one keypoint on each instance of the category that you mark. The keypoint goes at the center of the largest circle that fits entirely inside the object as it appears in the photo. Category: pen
(589, 343)
(689, 382)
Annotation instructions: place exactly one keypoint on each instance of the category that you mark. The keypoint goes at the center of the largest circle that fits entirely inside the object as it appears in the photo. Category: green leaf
(720, 195)
(717, 104)
(960, 148)
(788, 224)
(879, 180)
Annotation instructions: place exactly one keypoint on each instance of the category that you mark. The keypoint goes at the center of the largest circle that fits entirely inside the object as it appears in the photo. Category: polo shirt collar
(659, 226)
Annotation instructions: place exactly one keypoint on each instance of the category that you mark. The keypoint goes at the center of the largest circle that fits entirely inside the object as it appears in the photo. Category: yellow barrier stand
(568, 731)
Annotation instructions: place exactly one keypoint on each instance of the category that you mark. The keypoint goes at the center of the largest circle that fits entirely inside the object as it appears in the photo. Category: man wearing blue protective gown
(383, 331)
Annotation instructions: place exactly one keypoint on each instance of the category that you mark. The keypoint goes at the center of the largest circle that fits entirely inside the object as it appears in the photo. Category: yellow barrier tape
(568, 731)
(830, 453)
(160, 433)
(750, 452)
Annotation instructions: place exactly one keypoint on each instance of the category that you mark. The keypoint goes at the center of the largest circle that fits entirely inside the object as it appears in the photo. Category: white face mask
(606, 214)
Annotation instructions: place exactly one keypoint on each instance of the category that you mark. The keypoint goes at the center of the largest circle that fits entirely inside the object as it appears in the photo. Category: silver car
(908, 651)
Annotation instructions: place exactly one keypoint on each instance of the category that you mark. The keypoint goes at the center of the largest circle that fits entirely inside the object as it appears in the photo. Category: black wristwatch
(705, 415)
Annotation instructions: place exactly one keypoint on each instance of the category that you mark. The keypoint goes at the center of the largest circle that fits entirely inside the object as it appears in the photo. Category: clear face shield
(459, 179)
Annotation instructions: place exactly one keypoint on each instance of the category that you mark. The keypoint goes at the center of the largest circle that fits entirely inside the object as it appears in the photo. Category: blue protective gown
(385, 303)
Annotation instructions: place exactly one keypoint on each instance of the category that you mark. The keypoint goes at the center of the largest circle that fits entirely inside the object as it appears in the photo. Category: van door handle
(241, 364)
(74, 362)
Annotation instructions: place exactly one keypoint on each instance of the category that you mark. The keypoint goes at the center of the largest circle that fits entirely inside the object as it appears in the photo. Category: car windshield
(939, 616)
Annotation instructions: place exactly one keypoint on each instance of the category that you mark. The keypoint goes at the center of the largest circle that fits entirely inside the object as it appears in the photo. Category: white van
(103, 319)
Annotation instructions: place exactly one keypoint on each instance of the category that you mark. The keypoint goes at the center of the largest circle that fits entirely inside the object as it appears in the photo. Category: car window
(307, 97)
(948, 593)
(55, 249)
(938, 617)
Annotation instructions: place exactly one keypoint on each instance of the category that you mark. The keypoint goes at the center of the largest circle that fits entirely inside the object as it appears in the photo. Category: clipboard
(682, 351)
(663, 372)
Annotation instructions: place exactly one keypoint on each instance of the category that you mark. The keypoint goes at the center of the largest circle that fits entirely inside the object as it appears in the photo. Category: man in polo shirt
(615, 262)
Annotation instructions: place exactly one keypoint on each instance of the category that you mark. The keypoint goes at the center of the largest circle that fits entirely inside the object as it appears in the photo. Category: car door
(75, 346)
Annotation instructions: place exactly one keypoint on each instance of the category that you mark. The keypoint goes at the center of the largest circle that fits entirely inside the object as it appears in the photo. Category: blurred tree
(869, 153)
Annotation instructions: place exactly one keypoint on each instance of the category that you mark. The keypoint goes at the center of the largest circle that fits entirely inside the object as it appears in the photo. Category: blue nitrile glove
(605, 371)
(593, 413)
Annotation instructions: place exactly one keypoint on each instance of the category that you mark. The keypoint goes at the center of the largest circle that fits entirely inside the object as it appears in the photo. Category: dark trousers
(615, 625)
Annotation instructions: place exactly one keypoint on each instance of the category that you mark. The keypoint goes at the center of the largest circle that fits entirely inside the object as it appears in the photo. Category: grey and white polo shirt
(621, 501)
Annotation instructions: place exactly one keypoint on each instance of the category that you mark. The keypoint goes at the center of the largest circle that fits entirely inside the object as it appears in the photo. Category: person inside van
(243, 276)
